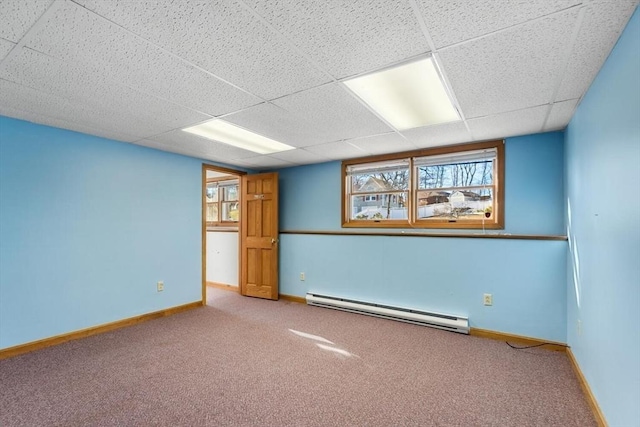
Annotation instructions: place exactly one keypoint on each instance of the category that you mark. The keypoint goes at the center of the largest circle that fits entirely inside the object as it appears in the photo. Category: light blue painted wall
(445, 275)
(527, 278)
(87, 228)
(603, 188)
(534, 193)
(310, 195)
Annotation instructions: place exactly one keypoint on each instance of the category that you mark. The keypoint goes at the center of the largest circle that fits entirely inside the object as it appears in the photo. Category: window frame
(220, 202)
(496, 221)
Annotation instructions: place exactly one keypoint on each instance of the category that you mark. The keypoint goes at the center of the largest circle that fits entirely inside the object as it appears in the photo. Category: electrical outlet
(302, 277)
(160, 286)
(488, 299)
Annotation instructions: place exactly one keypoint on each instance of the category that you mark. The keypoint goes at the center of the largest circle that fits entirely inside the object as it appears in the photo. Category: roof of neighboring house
(467, 194)
(434, 194)
(375, 184)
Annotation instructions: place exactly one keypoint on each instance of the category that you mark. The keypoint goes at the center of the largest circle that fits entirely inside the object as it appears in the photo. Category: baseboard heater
(435, 320)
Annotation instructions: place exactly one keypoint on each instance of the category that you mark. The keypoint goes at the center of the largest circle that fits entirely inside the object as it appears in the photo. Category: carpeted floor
(249, 362)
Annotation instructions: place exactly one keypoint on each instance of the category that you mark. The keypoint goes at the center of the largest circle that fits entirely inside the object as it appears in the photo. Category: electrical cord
(525, 347)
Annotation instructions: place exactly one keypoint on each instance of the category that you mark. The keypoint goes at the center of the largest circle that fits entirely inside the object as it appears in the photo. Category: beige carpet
(250, 362)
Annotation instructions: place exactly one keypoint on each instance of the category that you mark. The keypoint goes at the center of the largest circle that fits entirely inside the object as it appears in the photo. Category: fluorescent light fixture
(225, 132)
(408, 96)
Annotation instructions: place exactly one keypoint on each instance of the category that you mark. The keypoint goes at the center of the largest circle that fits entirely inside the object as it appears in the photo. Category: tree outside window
(444, 187)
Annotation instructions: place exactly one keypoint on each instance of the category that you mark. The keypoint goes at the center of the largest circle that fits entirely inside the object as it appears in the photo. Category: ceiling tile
(265, 162)
(178, 82)
(50, 75)
(452, 21)
(383, 144)
(65, 124)
(337, 150)
(17, 16)
(5, 48)
(601, 26)
(150, 67)
(43, 104)
(221, 37)
(92, 45)
(560, 115)
(510, 70)
(71, 81)
(324, 114)
(347, 37)
(300, 156)
(277, 123)
(209, 149)
(438, 135)
(241, 164)
(185, 150)
(513, 123)
(333, 112)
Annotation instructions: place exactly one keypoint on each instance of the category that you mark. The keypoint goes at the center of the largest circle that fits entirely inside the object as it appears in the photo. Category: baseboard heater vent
(417, 317)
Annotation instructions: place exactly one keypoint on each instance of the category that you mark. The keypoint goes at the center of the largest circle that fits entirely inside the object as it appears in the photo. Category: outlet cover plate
(488, 299)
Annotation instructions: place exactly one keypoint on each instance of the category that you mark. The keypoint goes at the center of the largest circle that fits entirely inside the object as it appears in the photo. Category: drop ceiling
(140, 71)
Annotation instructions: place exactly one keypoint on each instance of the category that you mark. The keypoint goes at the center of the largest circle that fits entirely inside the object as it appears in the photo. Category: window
(379, 191)
(444, 187)
(222, 202)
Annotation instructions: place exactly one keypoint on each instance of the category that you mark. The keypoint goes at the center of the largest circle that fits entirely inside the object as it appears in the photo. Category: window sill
(423, 225)
(222, 228)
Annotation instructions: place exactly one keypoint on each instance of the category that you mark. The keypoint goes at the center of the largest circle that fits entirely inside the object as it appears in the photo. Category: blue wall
(534, 194)
(526, 277)
(87, 228)
(603, 206)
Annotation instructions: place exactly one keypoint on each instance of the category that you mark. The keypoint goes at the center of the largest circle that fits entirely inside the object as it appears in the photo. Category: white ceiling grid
(345, 36)
(383, 144)
(519, 122)
(603, 22)
(300, 156)
(5, 48)
(445, 134)
(560, 114)
(338, 150)
(139, 71)
(501, 66)
(219, 36)
(22, 98)
(17, 17)
(207, 148)
(260, 162)
(454, 21)
(65, 124)
(334, 113)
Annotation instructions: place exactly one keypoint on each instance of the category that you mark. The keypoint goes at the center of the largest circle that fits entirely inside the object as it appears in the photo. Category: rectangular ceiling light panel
(225, 132)
(408, 96)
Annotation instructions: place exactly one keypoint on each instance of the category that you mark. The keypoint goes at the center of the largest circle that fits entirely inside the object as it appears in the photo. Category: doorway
(221, 221)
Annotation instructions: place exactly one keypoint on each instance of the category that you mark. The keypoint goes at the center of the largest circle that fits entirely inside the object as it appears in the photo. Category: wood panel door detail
(259, 236)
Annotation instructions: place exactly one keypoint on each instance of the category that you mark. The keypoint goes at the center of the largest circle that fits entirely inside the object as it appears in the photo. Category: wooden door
(259, 236)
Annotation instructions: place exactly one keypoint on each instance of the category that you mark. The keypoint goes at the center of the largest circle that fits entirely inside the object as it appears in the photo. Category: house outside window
(444, 187)
(378, 190)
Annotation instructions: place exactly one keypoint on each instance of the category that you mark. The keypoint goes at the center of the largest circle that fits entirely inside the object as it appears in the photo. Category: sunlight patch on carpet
(310, 336)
